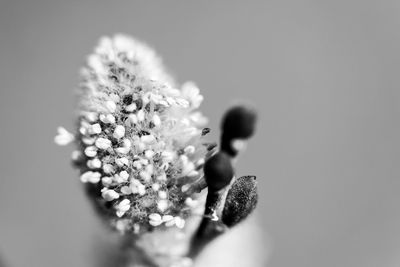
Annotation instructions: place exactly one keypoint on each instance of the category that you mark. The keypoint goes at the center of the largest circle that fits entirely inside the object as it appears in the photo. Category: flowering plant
(144, 160)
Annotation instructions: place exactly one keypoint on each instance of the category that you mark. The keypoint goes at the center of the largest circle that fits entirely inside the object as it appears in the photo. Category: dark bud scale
(241, 200)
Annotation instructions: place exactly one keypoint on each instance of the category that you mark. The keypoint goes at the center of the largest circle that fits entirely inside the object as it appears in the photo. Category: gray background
(323, 74)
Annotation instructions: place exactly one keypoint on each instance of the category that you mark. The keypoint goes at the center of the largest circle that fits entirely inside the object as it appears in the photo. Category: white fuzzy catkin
(138, 133)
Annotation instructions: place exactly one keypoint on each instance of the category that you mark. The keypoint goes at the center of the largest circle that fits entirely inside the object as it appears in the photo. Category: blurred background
(324, 76)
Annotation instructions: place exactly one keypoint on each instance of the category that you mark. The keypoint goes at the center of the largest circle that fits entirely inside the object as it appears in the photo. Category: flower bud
(218, 171)
(238, 123)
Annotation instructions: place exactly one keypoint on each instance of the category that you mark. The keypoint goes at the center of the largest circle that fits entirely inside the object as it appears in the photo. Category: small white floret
(124, 175)
(115, 98)
(106, 181)
(91, 116)
(155, 223)
(169, 220)
(164, 166)
(63, 137)
(155, 219)
(108, 168)
(94, 163)
(141, 189)
(95, 129)
(123, 207)
(109, 195)
(119, 132)
(162, 205)
(131, 107)
(122, 162)
(88, 140)
(111, 107)
(148, 139)
(122, 150)
(179, 222)
(162, 194)
(103, 143)
(126, 190)
(126, 143)
(155, 187)
(140, 115)
(137, 165)
(144, 161)
(145, 176)
(133, 118)
(156, 120)
(146, 98)
(90, 177)
(150, 169)
(162, 177)
(109, 118)
(192, 93)
(126, 147)
(149, 154)
(83, 130)
(140, 146)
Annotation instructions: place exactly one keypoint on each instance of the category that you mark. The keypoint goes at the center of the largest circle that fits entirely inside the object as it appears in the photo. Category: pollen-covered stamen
(109, 194)
(108, 168)
(103, 143)
(108, 118)
(123, 207)
(90, 151)
(155, 219)
(94, 163)
(119, 132)
(121, 162)
(90, 177)
(111, 106)
(95, 129)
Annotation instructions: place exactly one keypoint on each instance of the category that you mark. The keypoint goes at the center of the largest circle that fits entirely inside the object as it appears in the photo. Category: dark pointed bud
(239, 122)
(218, 171)
(241, 200)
